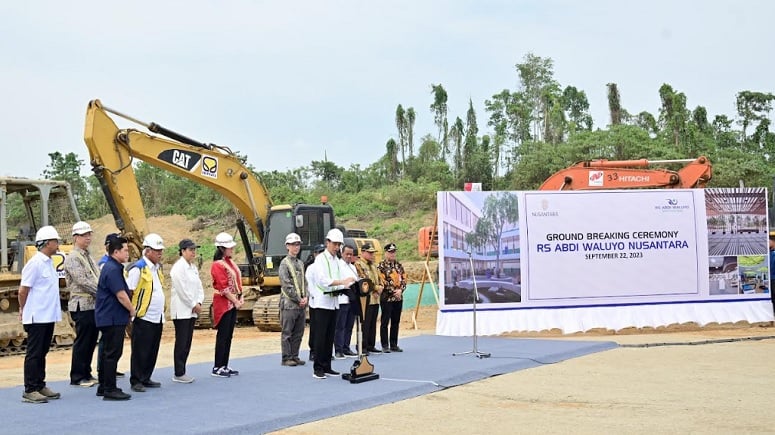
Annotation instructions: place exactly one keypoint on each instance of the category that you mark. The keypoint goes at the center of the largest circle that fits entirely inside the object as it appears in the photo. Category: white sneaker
(185, 379)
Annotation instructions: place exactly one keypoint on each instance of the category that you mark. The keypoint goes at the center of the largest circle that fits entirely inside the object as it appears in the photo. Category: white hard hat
(46, 233)
(335, 235)
(225, 240)
(292, 238)
(153, 241)
(81, 228)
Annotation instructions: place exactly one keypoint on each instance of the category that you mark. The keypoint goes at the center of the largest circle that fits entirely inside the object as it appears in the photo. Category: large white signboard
(579, 260)
(613, 246)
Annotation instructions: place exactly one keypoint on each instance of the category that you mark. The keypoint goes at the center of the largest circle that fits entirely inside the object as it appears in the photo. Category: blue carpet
(267, 396)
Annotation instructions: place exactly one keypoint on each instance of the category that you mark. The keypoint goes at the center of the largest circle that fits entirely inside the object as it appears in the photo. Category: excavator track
(13, 339)
(266, 313)
(205, 319)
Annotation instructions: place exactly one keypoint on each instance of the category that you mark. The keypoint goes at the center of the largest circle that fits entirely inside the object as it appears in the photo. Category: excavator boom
(630, 174)
(112, 151)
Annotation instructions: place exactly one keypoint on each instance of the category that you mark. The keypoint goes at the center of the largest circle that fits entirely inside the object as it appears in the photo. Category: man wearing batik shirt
(392, 299)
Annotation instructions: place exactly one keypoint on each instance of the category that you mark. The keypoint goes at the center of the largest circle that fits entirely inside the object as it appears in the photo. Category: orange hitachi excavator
(630, 174)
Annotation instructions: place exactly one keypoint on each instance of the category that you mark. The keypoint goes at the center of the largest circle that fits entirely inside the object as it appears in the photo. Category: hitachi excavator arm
(630, 174)
(112, 150)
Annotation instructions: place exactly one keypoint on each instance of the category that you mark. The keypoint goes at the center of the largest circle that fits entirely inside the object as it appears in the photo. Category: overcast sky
(287, 82)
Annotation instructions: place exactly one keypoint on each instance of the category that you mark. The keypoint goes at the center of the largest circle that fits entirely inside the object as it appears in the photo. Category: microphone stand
(475, 350)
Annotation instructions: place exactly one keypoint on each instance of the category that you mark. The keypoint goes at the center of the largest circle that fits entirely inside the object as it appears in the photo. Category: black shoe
(396, 349)
(373, 350)
(350, 353)
(332, 372)
(138, 388)
(319, 374)
(385, 349)
(151, 384)
(117, 395)
(100, 391)
(119, 374)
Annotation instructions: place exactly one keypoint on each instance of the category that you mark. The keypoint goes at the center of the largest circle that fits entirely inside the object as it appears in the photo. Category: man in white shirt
(144, 280)
(186, 300)
(39, 310)
(327, 274)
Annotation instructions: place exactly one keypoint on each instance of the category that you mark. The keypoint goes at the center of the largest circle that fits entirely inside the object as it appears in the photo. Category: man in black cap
(392, 301)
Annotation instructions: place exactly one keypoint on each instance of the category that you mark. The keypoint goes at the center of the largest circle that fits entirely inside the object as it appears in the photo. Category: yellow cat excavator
(262, 226)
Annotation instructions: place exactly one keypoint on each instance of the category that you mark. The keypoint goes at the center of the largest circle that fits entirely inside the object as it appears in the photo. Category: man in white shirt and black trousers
(328, 275)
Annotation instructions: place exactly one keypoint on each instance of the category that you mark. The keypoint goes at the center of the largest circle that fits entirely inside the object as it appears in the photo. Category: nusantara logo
(544, 212)
(671, 206)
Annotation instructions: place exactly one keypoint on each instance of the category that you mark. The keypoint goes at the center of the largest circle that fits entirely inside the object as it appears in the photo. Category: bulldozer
(25, 206)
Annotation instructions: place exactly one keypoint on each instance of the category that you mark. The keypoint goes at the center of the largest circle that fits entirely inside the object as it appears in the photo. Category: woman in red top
(227, 299)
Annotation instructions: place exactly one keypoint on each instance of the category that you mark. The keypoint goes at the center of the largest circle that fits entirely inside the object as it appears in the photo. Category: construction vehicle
(630, 174)
(428, 242)
(262, 226)
(26, 205)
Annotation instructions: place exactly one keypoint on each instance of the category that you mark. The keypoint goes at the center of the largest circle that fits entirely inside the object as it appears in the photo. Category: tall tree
(576, 106)
(391, 149)
(401, 126)
(536, 75)
(410, 119)
(614, 104)
(456, 135)
(439, 110)
(754, 107)
(673, 115)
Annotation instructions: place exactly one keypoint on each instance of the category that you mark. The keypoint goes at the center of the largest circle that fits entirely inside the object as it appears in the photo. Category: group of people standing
(321, 287)
(112, 297)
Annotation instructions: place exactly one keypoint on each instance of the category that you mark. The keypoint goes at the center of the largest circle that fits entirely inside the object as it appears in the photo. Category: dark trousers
(184, 333)
(323, 328)
(146, 337)
(38, 341)
(370, 326)
(292, 323)
(112, 340)
(345, 319)
(86, 333)
(223, 338)
(311, 338)
(391, 314)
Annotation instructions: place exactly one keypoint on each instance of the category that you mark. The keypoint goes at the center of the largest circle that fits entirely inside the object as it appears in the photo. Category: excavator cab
(310, 221)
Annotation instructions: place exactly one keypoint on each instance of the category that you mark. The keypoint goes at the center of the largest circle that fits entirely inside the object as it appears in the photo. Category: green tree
(614, 104)
(500, 210)
(401, 126)
(66, 167)
(536, 76)
(439, 110)
(456, 135)
(576, 106)
(411, 117)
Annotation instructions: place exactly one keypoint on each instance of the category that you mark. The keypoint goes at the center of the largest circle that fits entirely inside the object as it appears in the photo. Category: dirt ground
(716, 387)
